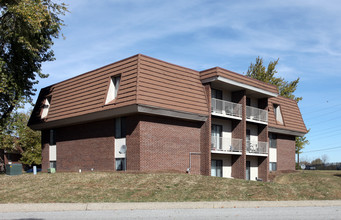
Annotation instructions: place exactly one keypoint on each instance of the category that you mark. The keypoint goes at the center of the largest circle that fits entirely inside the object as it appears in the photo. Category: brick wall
(263, 168)
(238, 163)
(133, 143)
(45, 135)
(205, 142)
(85, 146)
(285, 152)
(166, 143)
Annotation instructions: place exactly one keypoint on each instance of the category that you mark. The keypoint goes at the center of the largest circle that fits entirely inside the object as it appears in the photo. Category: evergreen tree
(260, 72)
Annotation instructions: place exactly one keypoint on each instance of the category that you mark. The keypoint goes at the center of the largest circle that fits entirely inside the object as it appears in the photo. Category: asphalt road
(329, 212)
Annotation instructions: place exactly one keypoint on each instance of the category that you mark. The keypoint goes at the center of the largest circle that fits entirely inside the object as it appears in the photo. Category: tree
(285, 88)
(317, 161)
(324, 158)
(300, 143)
(27, 28)
(18, 136)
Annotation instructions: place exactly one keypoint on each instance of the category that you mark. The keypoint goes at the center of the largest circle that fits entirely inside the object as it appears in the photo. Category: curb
(56, 207)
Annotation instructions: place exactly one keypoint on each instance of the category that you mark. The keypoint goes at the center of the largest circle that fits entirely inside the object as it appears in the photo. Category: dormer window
(278, 114)
(46, 108)
(113, 88)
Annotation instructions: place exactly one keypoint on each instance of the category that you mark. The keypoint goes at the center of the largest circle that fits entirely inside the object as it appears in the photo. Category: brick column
(239, 131)
(205, 140)
(133, 141)
(263, 162)
(45, 136)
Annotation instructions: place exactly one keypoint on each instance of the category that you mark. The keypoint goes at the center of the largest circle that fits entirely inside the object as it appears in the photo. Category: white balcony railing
(257, 147)
(226, 144)
(226, 108)
(256, 114)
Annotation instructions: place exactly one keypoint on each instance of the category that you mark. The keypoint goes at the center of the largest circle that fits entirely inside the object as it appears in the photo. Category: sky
(199, 34)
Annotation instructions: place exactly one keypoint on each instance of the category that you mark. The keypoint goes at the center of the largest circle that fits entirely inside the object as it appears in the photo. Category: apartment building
(144, 114)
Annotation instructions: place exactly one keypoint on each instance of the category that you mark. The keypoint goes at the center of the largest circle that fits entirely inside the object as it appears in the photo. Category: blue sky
(199, 34)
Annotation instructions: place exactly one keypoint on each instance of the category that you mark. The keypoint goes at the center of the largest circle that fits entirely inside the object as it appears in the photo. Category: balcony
(257, 147)
(226, 109)
(222, 145)
(256, 115)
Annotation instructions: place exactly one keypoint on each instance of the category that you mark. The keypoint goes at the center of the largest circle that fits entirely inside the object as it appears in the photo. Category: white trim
(52, 153)
(255, 121)
(239, 84)
(226, 116)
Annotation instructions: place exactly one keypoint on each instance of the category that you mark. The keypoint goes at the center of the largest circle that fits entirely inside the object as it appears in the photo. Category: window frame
(112, 89)
(272, 166)
(273, 139)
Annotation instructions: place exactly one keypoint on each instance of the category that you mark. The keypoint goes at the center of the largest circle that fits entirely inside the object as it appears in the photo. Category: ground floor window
(217, 168)
(53, 164)
(272, 166)
(120, 164)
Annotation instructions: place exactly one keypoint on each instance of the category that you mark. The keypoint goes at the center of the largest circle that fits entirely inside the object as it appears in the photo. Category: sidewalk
(50, 207)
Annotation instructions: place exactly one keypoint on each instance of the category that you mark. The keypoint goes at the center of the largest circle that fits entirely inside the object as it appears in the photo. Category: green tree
(27, 28)
(317, 161)
(19, 137)
(300, 143)
(285, 88)
(260, 72)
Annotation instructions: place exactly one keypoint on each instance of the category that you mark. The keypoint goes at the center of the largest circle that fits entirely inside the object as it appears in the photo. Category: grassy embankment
(125, 187)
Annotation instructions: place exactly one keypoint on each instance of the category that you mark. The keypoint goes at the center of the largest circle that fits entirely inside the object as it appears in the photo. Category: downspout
(190, 164)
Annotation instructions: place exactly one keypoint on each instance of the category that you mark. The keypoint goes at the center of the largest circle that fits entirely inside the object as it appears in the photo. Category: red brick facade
(83, 147)
(285, 152)
(168, 118)
(154, 144)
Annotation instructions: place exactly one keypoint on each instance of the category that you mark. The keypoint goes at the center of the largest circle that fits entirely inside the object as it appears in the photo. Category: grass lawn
(127, 187)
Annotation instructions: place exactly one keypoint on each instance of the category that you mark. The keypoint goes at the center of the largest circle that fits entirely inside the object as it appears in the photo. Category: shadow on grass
(338, 175)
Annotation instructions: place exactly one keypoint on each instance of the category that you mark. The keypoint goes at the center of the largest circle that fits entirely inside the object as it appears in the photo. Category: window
(216, 94)
(216, 136)
(120, 164)
(46, 107)
(113, 88)
(120, 128)
(53, 164)
(52, 137)
(273, 140)
(278, 114)
(248, 101)
(272, 166)
(217, 168)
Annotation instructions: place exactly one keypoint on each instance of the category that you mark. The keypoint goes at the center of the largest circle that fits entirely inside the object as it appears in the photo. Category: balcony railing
(256, 114)
(256, 147)
(226, 144)
(226, 108)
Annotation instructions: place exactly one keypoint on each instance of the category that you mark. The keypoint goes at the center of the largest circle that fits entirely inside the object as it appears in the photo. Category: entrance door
(248, 170)
(216, 136)
(217, 168)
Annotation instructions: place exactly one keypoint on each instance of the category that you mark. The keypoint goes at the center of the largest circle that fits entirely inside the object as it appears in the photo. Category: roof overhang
(240, 85)
(170, 113)
(117, 112)
(284, 131)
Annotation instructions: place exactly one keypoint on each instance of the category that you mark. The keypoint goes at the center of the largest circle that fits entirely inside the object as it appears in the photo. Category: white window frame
(113, 89)
(46, 108)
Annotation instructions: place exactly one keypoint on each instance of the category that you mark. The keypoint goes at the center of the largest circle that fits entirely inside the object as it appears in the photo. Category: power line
(328, 113)
(321, 150)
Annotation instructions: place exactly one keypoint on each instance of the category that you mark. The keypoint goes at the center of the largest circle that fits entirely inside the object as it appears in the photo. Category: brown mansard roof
(218, 71)
(144, 81)
(292, 118)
